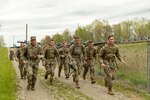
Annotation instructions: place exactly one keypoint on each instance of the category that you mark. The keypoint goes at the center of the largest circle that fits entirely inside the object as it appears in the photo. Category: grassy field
(132, 77)
(135, 70)
(7, 77)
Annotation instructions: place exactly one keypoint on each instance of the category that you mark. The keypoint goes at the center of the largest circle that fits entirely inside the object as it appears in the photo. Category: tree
(58, 38)
(82, 33)
(46, 40)
(66, 35)
(143, 27)
(97, 29)
(117, 30)
(107, 31)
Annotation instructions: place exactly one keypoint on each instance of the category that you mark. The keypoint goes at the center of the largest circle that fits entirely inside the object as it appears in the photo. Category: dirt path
(41, 93)
(94, 91)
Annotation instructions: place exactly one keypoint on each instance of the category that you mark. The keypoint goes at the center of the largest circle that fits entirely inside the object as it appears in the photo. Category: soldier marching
(64, 59)
(90, 57)
(50, 56)
(31, 57)
(107, 57)
(22, 67)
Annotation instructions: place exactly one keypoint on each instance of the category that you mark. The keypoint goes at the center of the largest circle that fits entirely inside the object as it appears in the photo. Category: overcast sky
(46, 17)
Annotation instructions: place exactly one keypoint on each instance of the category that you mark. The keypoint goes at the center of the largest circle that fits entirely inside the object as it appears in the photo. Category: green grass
(127, 90)
(7, 77)
(135, 71)
(62, 90)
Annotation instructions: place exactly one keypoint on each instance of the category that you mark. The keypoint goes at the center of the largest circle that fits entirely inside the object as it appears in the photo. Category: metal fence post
(148, 65)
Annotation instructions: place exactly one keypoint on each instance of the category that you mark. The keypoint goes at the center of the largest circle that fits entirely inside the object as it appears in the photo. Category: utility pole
(13, 40)
(26, 32)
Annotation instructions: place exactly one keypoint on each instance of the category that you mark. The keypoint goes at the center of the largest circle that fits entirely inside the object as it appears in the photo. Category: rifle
(71, 66)
(99, 43)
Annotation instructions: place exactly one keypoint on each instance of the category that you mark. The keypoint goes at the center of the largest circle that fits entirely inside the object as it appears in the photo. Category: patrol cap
(90, 41)
(64, 42)
(76, 37)
(33, 38)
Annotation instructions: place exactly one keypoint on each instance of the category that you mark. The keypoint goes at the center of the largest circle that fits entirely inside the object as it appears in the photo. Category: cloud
(51, 16)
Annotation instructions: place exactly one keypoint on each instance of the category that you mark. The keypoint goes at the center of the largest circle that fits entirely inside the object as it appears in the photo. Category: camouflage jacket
(64, 52)
(20, 52)
(99, 47)
(108, 53)
(90, 53)
(77, 51)
(32, 52)
(50, 53)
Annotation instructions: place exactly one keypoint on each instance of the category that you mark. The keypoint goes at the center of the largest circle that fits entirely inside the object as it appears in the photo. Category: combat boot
(93, 80)
(73, 78)
(106, 84)
(21, 76)
(59, 71)
(110, 92)
(51, 80)
(32, 86)
(25, 75)
(45, 76)
(58, 74)
(29, 86)
(77, 85)
(67, 76)
(84, 77)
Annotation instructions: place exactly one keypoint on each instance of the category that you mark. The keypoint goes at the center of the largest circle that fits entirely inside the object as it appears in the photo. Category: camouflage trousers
(23, 69)
(50, 68)
(110, 72)
(89, 64)
(64, 62)
(32, 71)
(77, 69)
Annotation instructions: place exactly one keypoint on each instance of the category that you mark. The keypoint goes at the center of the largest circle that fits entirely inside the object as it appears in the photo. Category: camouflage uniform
(50, 54)
(11, 55)
(64, 60)
(99, 47)
(78, 53)
(90, 56)
(31, 55)
(107, 55)
(22, 67)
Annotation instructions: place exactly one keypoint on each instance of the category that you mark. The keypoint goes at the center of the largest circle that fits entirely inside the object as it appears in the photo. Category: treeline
(99, 30)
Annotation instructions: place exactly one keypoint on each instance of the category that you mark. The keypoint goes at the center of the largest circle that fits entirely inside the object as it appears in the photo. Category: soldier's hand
(103, 65)
(70, 62)
(16, 60)
(43, 63)
(123, 62)
(62, 56)
(25, 62)
(85, 62)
